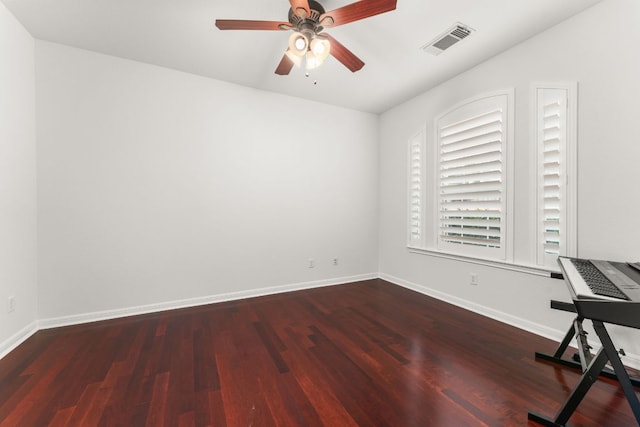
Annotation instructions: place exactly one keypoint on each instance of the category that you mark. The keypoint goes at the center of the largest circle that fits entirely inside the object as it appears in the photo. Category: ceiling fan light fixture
(320, 47)
(298, 43)
(312, 61)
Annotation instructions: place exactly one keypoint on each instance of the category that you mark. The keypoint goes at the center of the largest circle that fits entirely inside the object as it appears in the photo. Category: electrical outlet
(11, 307)
(312, 263)
(334, 261)
(474, 279)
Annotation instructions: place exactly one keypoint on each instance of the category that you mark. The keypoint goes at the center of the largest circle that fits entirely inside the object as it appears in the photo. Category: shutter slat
(490, 243)
(472, 187)
(490, 146)
(472, 122)
(476, 233)
(471, 222)
(551, 109)
(472, 205)
(490, 158)
(468, 195)
(452, 212)
(551, 249)
(472, 140)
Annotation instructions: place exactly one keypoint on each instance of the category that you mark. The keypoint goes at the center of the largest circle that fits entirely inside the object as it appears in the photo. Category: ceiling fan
(309, 42)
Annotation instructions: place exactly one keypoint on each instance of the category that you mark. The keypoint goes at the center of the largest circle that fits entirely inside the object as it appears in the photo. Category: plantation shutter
(471, 178)
(416, 190)
(551, 142)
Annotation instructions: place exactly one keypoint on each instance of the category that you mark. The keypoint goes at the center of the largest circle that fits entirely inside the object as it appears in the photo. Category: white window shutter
(555, 157)
(472, 179)
(416, 191)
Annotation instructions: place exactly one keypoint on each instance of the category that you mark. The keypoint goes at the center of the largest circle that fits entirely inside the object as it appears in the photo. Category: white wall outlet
(474, 279)
(11, 304)
(312, 262)
(334, 261)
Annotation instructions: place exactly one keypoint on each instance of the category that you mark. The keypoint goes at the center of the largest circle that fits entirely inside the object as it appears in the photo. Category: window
(461, 182)
(554, 119)
(474, 178)
(416, 190)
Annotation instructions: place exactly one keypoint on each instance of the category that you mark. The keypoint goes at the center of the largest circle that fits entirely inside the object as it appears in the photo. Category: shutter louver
(471, 180)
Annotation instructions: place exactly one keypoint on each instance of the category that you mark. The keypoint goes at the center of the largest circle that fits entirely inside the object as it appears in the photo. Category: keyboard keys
(597, 282)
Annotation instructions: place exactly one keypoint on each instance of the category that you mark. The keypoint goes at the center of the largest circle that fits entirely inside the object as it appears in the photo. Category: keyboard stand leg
(583, 347)
(618, 367)
(586, 381)
(606, 353)
(575, 331)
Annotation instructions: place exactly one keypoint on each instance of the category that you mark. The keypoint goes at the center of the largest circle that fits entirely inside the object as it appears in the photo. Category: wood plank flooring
(361, 354)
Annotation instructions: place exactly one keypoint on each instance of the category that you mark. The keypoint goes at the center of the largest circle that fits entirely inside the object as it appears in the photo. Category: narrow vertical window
(415, 208)
(555, 129)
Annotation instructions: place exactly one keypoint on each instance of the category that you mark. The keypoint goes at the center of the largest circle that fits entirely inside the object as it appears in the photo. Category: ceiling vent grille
(447, 39)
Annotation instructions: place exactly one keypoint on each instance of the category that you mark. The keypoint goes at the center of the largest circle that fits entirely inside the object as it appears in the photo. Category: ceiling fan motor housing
(310, 23)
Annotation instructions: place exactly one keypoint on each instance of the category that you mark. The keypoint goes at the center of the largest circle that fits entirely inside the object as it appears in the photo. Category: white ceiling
(180, 34)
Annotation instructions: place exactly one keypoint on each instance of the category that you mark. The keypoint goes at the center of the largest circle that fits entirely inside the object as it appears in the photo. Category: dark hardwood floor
(362, 354)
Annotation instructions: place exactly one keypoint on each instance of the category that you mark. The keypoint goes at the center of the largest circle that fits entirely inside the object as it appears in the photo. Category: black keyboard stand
(583, 356)
(591, 366)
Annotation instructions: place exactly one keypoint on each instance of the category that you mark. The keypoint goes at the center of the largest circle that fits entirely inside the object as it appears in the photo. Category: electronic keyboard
(603, 290)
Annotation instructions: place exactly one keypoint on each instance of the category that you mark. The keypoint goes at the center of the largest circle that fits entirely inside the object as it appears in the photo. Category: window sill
(521, 268)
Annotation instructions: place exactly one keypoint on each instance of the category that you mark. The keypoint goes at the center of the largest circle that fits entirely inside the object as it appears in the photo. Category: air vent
(447, 39)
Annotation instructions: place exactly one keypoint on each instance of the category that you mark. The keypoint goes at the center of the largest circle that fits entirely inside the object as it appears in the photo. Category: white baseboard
(18, 338)
(630, 360)
(193, 302)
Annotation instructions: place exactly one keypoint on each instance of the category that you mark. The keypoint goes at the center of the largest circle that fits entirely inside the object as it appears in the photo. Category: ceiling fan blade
(285, 66)
(344, 55)
(300, 8)
(241, 24)
(356, 11)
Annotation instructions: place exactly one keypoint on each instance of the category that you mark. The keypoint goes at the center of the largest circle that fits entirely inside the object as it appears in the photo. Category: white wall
(157, 186)
(598, 49)
(17, 181)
